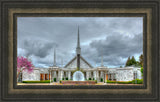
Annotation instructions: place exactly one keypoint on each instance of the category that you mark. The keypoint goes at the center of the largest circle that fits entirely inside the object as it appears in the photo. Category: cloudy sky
(116, 38)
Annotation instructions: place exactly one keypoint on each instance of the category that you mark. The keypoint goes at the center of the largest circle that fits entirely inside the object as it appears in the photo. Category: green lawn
(42, 81)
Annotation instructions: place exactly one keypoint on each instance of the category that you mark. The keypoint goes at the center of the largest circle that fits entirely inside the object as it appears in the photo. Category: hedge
(42, 81)
(124, 82)
(139, 81)
(108, 81)
(55, 80)
(101, 79)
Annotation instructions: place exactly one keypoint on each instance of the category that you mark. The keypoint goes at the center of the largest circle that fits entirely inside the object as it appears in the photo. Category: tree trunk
(18, 76)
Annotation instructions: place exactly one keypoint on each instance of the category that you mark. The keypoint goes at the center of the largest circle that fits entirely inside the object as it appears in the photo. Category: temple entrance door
(106, 76)
(41, 76)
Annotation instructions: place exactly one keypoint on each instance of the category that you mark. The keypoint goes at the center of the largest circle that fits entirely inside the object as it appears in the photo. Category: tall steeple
(54, 58)
(78, 49)
(102, 59)
(62, 62)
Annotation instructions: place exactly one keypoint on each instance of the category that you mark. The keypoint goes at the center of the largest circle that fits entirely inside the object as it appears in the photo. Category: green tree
(131, 61)
(127, 63)
(142, 70)
(141, 59)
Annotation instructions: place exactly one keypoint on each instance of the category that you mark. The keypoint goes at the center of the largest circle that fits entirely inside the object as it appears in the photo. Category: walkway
(61, 84)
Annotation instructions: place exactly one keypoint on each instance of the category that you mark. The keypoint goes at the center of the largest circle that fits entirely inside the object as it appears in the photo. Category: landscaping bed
(136, 81)
(41, 81)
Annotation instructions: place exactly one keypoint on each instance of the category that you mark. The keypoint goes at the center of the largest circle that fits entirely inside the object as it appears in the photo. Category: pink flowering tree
(23, 64)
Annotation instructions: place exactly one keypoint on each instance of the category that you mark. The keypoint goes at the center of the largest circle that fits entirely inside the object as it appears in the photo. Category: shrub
(60, 81)
(142, 70)
(54, 79)
(124, 82)
(120, 82)
(101, 79)
(89, 78)
(108, 81)
(66, 78)
(137, 81)
(93, 79)
(42, 81)
(62, 78)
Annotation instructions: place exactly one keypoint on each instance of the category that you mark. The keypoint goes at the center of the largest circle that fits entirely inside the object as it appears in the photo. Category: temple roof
(75, 59)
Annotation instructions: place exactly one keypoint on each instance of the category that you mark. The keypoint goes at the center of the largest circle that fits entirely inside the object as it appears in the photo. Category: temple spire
(54, 57)
(78, 43)
(62, 62)
(78, 49)
(102, 59)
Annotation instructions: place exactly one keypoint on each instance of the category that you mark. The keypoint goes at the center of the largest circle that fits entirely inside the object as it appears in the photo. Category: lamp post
(136, 77)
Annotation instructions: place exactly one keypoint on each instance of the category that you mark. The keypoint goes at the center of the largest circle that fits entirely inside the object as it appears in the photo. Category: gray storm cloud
(116, 37)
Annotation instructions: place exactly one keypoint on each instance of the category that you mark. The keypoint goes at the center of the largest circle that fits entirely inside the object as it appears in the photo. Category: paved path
(61, 84)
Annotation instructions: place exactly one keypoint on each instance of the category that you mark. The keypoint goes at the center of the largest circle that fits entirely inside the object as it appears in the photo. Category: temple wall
(124, 75)
(120, 74)
(33, 76)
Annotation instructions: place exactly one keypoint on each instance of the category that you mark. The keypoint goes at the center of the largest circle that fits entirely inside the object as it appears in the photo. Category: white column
(91, 75)
(97, 76)
(43, 76)
(59, 78)
(69, 75)
(64, 75)
(60, 75)
(87, 75)
(94, 75)
(105, 77)
(101, 75)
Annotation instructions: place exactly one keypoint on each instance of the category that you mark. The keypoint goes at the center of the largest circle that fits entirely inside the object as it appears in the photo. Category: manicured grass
(139, 81)
(42, 81)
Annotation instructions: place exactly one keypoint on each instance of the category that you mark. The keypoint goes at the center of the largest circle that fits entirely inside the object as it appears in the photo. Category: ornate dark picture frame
(11, 9)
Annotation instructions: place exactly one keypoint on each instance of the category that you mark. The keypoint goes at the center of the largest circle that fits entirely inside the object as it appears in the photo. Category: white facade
(118, 74)
(66, 73)
(35, 75)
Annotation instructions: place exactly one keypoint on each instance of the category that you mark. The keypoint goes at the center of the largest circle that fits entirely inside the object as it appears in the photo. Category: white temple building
(56, 73)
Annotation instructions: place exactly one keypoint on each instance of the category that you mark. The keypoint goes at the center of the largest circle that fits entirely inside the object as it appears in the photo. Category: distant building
(90, 72)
